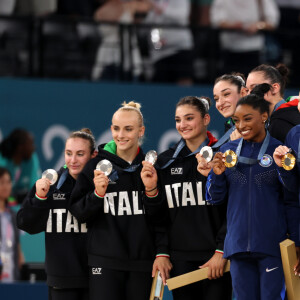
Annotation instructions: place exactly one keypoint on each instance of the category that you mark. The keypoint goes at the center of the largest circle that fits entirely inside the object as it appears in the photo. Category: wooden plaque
(157, 289)
(191, 277)
(289, 259)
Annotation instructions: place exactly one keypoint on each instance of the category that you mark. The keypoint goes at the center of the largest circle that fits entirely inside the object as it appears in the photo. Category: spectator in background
(35, 7)
(18, 156)
(242, 48)
(200, 12)
(81, 8)
(109, 64)
(171, 50)
(290, 23)
(11, 257)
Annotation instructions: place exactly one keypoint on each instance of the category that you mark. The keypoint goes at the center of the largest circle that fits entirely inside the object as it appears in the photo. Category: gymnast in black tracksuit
(45, 208)
(121, 243)
(196, 230)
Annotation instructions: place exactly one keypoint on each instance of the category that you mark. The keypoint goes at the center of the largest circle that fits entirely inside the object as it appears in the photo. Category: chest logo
(266, 161)
(59, 196)
(176, 171)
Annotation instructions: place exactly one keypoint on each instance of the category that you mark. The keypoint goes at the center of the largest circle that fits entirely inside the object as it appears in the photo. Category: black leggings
(215, 289)
(68, 294)
(110, 284)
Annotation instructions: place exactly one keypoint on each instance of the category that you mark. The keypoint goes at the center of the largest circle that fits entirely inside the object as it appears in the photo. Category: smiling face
(189, 122)
(126, 130)
(77, 154)
(250, 123)
(226, 96)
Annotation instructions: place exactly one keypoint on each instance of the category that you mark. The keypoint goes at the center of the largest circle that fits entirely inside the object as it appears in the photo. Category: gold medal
(288, 161)
(230, 159)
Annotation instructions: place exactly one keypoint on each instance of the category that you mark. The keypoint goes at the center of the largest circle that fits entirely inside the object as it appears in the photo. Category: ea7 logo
(176, 171)
(96, 271)
(57, 196)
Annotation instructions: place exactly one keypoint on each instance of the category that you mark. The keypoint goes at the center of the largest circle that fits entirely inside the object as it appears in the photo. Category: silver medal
(151, 157)
(51, 175)
(207, 153)
(104, 166)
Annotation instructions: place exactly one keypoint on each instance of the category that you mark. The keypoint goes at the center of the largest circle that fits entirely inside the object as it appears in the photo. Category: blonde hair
(86, 134)
(133, 106)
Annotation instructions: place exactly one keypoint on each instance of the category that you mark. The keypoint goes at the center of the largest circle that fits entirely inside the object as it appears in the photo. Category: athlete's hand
(297, 265)
(278, 153)
(235, 135)
(164, 265)
(215, 266)
(149, 176)
(100, 182)
(218, 163)
(42, 187)
(203, 167)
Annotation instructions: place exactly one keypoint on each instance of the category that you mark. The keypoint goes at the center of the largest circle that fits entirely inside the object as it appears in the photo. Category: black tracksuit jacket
(120, 236)
(65, 238)
(195, 228)
(283, 120)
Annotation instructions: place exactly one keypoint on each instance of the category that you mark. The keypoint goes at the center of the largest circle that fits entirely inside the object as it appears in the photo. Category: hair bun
(86, 130)
(132, 104)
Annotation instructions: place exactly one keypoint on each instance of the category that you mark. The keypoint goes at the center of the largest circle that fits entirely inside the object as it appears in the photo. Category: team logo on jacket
(176, 171)
(266, 160)
(59, 196)
(96, 271)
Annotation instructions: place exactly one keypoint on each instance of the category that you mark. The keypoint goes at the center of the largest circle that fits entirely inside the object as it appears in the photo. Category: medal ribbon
(252, 161)
(180, 147)
(225, 138)
(62, 179)
(278, 104)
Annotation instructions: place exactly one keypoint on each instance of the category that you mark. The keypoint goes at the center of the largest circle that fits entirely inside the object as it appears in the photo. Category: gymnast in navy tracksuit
(256, 221)
(292, 179)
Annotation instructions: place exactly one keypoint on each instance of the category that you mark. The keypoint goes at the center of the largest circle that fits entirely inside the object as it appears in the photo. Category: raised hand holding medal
(51, 175)
(148, 173)
(283, 158)
(103, 170)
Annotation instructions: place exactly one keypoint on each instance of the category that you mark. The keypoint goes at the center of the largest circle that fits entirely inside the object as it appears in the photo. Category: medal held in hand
(207, 153)
(230, 159)
(104, 166)
(151, 157)
(51, 175)
(288, 161)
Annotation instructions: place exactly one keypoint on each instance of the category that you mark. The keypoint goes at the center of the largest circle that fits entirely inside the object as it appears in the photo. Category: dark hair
(278, 74)
(10, 144)
(237, 79)
(4, 171)
(202, 103)
(261, 89)
(86, 134)
(256, 101)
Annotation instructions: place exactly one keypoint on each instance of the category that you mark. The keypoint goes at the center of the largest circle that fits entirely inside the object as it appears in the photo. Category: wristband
(162, 255)
(153, 196)
(40, 198)
(97, 195)
(151, 190)
(219, 251)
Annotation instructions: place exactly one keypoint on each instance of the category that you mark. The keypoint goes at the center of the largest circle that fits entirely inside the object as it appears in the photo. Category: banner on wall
(52, 109)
